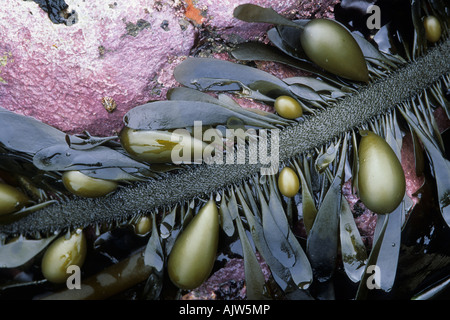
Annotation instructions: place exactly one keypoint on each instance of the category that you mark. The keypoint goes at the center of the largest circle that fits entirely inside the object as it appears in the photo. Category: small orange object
(193, 13)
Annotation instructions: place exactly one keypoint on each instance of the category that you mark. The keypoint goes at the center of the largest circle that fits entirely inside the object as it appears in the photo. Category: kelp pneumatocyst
(332, 47)
(381, 180)
(143, 226)
(287, 107)
(61, 254)
(288, 182)
(84, 186)
(194, 252)
(433, 29)
(11, 199)
(158, 146)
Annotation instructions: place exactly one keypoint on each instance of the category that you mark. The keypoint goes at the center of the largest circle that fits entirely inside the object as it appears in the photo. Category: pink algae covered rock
(59, 74)
(227, 282)
(118, 51)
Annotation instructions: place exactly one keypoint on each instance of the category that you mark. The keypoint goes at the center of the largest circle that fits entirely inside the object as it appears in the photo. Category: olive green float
(157, 146)
(143, 226)
(433, 30)
(331, 46)
(11, 199)
(381, 180)
(287, 107)
(288, 182)
(194, 252)
(61, 254)
(84, 186)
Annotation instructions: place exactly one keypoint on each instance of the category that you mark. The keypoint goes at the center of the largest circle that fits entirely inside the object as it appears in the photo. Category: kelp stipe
(320, 146)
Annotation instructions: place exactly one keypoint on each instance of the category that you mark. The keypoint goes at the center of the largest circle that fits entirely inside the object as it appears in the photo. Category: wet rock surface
(59, 74)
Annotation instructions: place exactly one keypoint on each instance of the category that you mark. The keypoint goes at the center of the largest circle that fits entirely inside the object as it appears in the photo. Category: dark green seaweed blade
(219, 75)
(226, 219)
(387, 259)
(420, 42)
(251, 51)
(174, 114)
(280, 273)
(61, 157)
(287, 40)
(118, 174)
(300, 268)
(276, 233)
(433, 291)
(20, 251)
(253, 13)
(26, 134)
(369, 51)
(254, 278)
(16, 216)
(154, 253)
(322, 242)
(317, 85)
(189, 94)
(353, 250)
(87, 142)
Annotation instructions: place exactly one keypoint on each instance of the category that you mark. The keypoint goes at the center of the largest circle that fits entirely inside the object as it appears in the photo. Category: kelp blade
(253, 13)
(226, 74)
(175, 114)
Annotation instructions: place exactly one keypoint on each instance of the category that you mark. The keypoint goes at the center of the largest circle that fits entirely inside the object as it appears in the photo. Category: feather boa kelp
(406, 83)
